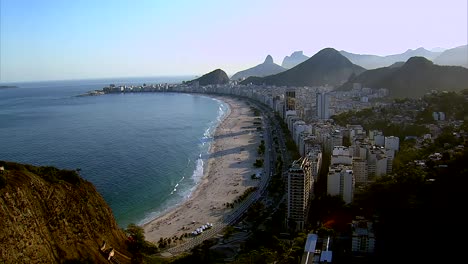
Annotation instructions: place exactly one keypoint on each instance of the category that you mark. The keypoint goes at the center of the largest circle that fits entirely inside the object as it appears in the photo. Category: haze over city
(56, 40)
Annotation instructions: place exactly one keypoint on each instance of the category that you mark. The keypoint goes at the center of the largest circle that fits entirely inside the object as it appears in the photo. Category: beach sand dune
(227, 175)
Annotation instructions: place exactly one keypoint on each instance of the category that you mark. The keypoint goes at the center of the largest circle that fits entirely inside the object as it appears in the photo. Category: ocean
(144, 152)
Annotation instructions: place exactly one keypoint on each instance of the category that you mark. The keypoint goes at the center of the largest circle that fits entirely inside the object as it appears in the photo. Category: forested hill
(217, 76)
(413, 79)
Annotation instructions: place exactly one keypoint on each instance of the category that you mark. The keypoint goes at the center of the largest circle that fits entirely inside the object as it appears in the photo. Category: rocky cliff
(54, 216)
(268, 67)
(295, 59)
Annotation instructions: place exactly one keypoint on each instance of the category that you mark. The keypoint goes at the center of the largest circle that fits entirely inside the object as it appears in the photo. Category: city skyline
(56, 40)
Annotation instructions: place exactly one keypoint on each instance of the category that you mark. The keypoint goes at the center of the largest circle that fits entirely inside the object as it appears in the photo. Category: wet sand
(227, 175)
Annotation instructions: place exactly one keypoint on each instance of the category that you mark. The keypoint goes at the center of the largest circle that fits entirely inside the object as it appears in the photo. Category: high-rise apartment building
(301, 177)
(340, 182)
(289, 102)
(323, 105)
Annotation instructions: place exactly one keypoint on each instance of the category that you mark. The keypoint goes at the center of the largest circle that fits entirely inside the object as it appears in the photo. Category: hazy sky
(50, 40)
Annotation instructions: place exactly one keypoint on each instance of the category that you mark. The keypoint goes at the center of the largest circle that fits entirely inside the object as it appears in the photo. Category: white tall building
(341, 155)
(376, 162)
(323, 105)
(377, 137)
(340, 182)
(392, 143)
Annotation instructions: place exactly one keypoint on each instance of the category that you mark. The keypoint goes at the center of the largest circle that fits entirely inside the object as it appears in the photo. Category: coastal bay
(227, 175)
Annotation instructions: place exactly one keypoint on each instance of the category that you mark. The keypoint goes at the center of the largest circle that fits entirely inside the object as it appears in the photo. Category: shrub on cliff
(52, 174)
(137, 243)
(2, 181)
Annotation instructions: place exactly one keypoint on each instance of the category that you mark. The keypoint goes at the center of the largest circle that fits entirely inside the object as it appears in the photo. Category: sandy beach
(227, 175)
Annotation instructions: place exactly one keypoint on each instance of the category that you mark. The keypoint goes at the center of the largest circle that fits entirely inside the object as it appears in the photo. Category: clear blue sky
(79, 39)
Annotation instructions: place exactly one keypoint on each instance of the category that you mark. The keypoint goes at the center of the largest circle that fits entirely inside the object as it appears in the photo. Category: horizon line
(100, 78)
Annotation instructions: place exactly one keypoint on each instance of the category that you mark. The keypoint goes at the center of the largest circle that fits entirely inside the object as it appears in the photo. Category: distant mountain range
(403, 76)
(373, 61)
(414, 78)
(451, 57)
(456, 57)
(326, 67)
(296, 58)
(268, 67)
(217, 76)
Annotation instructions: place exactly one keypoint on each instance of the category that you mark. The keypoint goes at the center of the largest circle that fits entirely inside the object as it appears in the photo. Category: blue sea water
(143, 151)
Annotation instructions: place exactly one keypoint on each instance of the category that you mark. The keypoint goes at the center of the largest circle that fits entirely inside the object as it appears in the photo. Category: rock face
(326, 67)
(296, 58)
(54, 216)
(268, 67)
(217, 76)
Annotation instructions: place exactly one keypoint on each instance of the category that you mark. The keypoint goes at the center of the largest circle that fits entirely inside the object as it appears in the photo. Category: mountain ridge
(370, 61)
(268, 67)
(297, 57)
(415, 78)
(326, 67)
(457, 56)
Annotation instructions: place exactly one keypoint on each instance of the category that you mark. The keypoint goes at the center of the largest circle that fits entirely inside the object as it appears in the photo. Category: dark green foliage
(137, 244)
(271, 249)
(199, 254)
(453, 104)
(417, 204)
(276, 186)
(256, 112)
(378, 119)
(228, 231)
(258, 163)
(3, 181)
(255, 211)
(53, 174)
(48, 173)
(261, 148)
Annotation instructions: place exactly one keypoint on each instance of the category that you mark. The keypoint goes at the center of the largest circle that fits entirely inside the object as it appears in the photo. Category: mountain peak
(268, 67)
(297, 57)
(268, 60)
(419, 61)
(328, 51)
(327, 67)
(297, 53)
(217, 76)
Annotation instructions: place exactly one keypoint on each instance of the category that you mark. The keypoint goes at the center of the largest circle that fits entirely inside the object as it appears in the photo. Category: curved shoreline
(226, 176)
(220, 119)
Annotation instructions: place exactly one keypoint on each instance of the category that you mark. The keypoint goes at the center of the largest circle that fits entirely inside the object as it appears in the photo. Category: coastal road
(239, 211)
